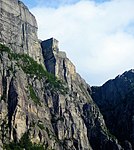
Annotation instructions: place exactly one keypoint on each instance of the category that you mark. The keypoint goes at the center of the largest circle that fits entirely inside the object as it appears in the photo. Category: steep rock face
(57, 63)
(56, 112)
(18, 28)
(22, 106)
(83, 118)
(36, 103)
(116, 102)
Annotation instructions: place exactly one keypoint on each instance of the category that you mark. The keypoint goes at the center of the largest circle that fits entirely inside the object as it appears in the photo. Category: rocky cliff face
(116, 102)
(86, 124)
(18, 28)
(51, 108)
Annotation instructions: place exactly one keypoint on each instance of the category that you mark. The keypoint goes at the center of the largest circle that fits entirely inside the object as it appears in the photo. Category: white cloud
(98, 38)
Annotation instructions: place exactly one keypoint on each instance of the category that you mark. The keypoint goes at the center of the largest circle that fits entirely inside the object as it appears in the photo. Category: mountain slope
(116, 102)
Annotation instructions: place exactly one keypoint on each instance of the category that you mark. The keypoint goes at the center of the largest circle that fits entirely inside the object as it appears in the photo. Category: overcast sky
(97, 35)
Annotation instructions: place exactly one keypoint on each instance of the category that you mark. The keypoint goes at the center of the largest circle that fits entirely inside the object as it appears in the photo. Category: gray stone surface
(85, 123)
(18, 28)
(68, 120)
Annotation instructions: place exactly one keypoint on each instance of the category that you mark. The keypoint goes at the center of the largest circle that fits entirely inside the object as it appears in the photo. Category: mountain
(116, 102)
(44, 102)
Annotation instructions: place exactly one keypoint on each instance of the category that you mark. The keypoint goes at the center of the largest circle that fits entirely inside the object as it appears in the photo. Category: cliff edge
(43, 108)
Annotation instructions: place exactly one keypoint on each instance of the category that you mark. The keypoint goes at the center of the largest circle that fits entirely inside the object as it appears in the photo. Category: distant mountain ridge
(116, 102)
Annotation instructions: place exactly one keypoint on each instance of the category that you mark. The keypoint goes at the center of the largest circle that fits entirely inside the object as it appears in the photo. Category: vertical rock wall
(82, 122)
(18, 28)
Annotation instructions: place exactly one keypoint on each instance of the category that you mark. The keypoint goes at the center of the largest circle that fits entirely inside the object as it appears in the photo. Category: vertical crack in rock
(12, 103)
(65, 71)
(4, 85)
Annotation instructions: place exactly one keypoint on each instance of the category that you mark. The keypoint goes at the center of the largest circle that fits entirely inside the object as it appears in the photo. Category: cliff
(43, 108)
(116, 102)
(18, 28)
(86, 124)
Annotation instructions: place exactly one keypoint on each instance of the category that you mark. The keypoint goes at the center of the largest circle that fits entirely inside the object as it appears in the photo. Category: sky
(97, 35)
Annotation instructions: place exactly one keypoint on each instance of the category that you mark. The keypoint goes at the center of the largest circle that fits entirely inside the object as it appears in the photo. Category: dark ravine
(44, 102)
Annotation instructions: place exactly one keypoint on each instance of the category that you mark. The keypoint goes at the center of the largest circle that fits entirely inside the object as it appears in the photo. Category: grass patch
(24, 143)
(4, 48)
(33, 96)
(31, 67)
(41, 125)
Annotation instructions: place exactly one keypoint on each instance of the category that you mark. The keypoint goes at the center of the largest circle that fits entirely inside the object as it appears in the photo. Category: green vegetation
(32, 68)
(24, 143)
(40, 125)
(33, 96)
(4, 48)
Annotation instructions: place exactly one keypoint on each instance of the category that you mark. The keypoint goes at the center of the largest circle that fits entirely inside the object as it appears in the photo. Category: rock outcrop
(18, 28)
(86, 123)
(116, 102)
(53, 113)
